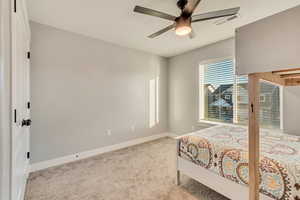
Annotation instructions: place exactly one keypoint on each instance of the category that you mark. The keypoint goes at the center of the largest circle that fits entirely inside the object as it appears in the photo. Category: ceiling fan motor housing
(181, 21)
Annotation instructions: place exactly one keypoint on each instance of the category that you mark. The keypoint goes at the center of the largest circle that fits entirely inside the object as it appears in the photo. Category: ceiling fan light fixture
(183, 26)
(183, 30)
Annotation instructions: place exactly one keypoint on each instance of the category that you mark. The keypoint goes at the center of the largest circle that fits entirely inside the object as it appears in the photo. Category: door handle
(26, 122)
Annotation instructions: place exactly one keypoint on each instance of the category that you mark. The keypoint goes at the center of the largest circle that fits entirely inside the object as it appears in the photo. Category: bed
(218, 158)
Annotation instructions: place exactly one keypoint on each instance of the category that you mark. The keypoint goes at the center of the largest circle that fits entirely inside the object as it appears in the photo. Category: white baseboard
(172, 135)
(78, 156)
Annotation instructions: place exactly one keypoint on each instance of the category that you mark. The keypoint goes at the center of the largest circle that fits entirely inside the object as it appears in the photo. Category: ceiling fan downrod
(181, 4)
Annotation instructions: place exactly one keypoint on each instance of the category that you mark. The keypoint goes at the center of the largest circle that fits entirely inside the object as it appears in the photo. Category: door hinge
(15, 6)
(28, 155)
(15, 115)
(28, 55)
(28, 105)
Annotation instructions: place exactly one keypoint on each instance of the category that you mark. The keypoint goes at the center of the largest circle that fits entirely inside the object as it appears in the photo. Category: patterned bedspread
(223, 150)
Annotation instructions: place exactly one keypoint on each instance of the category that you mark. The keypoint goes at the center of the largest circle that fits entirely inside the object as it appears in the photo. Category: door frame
(6, 11)
(5, 99)
(19, 97)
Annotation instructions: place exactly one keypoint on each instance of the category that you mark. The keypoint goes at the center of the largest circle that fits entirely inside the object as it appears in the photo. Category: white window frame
(201, 95)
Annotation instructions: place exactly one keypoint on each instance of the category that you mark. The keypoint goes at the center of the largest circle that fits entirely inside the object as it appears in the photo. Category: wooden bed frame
(232, 190)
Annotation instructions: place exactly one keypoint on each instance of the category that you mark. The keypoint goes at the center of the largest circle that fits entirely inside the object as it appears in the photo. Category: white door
(20, 100)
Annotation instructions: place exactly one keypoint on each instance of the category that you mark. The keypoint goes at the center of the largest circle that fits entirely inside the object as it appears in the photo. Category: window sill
(235, 125)
(216, 123)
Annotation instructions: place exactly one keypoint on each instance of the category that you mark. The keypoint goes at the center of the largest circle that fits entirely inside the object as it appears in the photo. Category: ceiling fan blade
(191, 6)
(223, 21)
(192, 35)
(161, 31)
(154, 13)
(215, 14)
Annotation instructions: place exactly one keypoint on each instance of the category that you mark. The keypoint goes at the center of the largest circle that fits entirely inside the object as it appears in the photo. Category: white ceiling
(114, 21)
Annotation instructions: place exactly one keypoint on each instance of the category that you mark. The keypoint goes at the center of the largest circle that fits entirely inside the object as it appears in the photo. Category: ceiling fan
(182, 23)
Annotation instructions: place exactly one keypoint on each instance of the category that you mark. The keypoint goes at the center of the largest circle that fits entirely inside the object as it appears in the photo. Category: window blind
(218, 91)
(269, 103)
(225, 96)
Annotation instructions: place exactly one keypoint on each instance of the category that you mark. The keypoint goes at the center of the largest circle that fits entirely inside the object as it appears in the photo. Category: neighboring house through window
(224, 96)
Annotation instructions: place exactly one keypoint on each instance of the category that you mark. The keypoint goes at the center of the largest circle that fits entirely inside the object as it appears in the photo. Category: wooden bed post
(254, 96)
(177, 170)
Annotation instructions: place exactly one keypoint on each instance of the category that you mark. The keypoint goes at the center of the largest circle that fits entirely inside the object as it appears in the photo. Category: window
(224, 96)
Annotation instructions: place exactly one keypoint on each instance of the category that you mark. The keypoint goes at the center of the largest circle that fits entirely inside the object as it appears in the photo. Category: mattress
(223, 150)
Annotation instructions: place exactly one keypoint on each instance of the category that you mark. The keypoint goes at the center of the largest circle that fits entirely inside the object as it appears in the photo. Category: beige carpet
(142, 172)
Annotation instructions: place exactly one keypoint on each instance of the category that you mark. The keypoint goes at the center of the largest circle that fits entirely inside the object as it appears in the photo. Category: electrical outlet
(108, 132)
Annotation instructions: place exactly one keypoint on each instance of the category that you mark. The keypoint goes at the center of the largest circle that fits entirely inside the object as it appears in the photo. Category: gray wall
(269, 44)
(184, 81)
(291, 110)
(82, 87)
(184, 90)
